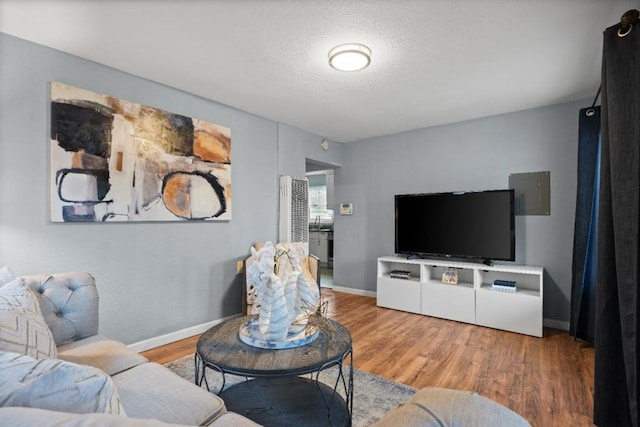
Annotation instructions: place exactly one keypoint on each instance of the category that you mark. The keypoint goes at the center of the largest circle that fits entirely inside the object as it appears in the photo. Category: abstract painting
(114, 160)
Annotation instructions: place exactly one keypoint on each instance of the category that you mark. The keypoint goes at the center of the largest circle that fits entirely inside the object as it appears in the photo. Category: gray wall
(153, 278)
(472, 155)
(156, 278)
(295, 144)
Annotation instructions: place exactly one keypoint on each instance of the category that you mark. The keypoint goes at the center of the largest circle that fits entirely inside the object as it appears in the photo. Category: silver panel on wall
(532, 192)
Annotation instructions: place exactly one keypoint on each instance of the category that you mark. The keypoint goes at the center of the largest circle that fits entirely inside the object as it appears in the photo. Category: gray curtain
(617, 322)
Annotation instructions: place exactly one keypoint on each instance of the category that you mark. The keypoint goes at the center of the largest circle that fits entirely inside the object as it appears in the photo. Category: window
(318, 198)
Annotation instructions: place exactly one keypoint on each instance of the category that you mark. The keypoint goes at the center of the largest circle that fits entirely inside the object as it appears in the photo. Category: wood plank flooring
(547, 380)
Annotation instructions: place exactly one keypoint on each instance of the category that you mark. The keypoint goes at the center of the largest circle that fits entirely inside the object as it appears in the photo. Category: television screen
(460, 225)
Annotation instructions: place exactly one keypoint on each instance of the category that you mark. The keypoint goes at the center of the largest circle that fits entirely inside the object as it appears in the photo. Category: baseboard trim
(161, 340)
(354, 291)
(150, 343)
(556, 324)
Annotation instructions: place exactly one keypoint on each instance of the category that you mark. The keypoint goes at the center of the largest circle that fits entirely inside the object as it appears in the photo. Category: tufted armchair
(92, 373)
(69, 304)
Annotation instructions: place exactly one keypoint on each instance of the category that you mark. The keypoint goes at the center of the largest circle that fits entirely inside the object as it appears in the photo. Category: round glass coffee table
(274, 393)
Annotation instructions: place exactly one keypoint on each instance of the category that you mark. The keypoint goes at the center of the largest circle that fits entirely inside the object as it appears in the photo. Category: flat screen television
(479, 225)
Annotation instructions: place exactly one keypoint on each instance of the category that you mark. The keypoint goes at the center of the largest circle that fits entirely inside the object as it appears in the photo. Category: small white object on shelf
(450, 277)
(500, 288)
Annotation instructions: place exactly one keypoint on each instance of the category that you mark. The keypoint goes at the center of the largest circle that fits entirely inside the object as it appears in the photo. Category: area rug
(373, 396)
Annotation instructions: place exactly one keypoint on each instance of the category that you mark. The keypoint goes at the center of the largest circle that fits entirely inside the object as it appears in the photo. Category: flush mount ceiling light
(350, 57)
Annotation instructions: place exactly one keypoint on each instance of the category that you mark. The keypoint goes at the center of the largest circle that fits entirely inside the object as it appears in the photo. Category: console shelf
(472, 300)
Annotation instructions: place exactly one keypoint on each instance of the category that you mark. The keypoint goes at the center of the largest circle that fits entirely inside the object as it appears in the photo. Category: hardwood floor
(547, 380)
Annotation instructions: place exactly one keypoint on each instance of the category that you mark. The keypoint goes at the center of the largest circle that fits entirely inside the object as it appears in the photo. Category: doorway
(321, 215)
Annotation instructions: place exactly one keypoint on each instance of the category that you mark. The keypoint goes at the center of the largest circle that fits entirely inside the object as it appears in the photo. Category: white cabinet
(516, 312)
(313, 243)
(323, 247)
(472, 300)
(455, 302)
(399, 294)
(319, 245)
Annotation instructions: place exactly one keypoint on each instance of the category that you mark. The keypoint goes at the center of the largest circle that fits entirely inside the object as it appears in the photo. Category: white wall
(472, 155)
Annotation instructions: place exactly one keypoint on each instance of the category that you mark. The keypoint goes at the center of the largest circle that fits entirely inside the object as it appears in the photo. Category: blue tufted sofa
(149, 393)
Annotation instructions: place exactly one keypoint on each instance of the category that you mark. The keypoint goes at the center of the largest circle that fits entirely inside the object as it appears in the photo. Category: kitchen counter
(323, 227)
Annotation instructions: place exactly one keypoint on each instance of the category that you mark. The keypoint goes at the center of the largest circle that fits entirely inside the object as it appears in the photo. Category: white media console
(472, 300)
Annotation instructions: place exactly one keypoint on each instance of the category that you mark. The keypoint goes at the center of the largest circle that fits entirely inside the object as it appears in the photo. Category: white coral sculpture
(295, 313)
(273, 319)
(258, 274)
(279, 292)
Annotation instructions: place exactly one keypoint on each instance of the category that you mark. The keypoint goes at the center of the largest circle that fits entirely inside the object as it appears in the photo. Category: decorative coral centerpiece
(285, 298)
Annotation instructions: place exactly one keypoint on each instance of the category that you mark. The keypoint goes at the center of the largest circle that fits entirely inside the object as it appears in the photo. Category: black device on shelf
(400, 274)
(478, 225)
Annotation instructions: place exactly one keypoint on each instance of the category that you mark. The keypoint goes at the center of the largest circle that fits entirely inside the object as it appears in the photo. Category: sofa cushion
(6, 275)
(29, 417)
(101, 352)
(22, 328)
(153, 391)
(440, 407)
(56, 385)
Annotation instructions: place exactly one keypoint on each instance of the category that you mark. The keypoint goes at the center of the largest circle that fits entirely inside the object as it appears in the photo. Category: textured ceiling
(433, 62)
